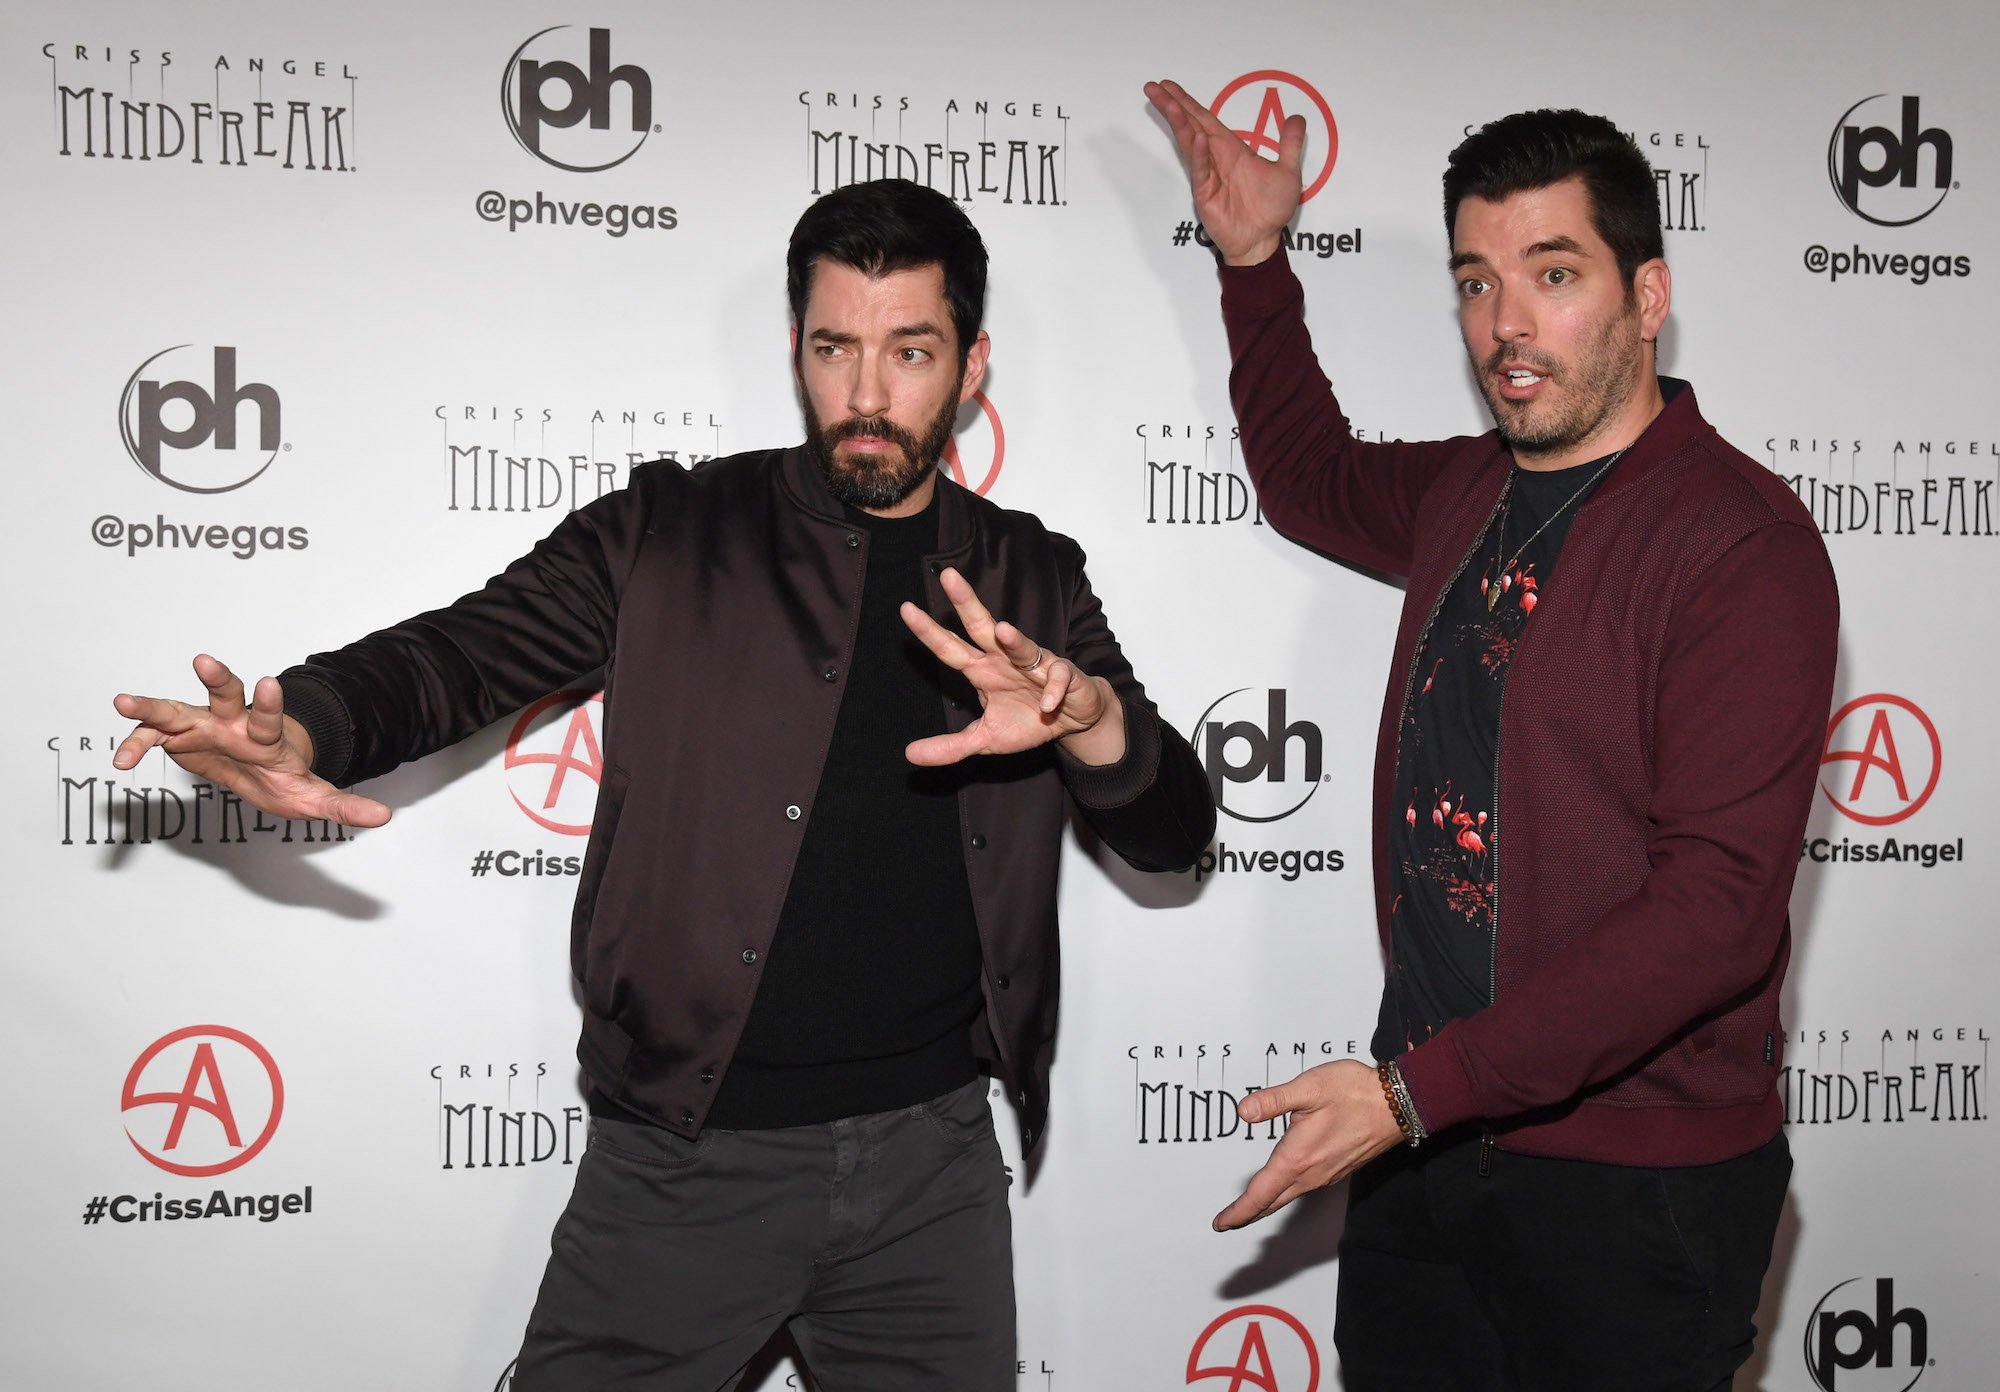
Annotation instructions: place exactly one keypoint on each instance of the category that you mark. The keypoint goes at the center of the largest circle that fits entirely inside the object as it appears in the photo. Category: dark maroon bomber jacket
(1660, 734)
(722, 604)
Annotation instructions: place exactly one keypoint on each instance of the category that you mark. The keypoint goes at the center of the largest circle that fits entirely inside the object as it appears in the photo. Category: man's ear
(975, 366)
(1653, 286)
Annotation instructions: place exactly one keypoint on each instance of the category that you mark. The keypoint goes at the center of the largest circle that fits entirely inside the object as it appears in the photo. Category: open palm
(250, 747)
(1244, 199)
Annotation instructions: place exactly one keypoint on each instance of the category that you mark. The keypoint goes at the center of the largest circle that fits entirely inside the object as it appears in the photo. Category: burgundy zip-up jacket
(1660, 734)
(722, 603)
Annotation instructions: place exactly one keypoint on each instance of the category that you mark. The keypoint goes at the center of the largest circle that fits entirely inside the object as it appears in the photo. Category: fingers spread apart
(950, 649)
(977, 619)
(225, 689)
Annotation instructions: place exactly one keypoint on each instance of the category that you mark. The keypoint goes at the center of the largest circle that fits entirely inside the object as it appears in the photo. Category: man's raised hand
(1028, 695)
(253, 749)
(1243, 200)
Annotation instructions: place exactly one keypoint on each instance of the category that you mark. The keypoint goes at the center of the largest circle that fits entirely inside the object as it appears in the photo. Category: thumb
(1292, 143)
(351, 809)
(1270, 1102)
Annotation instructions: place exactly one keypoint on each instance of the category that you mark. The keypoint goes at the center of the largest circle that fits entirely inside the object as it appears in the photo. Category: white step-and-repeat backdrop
(317, 315)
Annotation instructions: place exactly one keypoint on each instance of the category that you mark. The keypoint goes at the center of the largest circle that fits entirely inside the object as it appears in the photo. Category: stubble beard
(1593, 392)
(883, 480)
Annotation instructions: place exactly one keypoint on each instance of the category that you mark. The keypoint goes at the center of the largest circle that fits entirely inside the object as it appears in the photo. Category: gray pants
(882, 1242)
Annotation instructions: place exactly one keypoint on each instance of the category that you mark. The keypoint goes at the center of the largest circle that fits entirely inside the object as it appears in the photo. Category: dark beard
(887, 481)
(1599, 387)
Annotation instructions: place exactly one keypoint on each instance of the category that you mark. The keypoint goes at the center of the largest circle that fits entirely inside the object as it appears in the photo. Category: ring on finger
(1040, 653)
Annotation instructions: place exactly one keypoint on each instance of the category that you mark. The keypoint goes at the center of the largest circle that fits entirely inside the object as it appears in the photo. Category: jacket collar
(1679, 421)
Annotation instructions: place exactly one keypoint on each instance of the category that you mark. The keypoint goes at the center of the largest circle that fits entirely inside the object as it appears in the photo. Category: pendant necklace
(1507, 502)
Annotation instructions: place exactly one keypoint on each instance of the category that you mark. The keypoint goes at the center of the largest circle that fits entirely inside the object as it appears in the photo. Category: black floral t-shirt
(1445, 829)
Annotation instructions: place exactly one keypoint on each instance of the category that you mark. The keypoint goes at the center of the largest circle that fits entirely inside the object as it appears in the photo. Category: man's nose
(868, 392)
(1513, 318)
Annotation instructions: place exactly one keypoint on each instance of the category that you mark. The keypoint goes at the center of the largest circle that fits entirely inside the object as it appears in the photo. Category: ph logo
(202, 1100)
(985, 440)
(1873, 158)
(199, 424)
(1871, 1352)
(1255, 106)
(1240, 752)
(1896, 755)
(1266, 1349)
(567, 742)
(529, 88)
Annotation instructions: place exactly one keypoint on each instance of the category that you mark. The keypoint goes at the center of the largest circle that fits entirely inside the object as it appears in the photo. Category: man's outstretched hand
(255, 750)
(1339, 1122)
(1243, 199)
(1028, 695)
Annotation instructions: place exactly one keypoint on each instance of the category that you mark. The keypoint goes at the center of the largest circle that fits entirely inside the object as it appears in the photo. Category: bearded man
(1597, 752)
(818, 904)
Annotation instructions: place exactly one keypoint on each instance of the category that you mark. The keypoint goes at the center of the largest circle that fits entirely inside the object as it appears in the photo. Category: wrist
(1401, 1109)
(1103, 740)
(296, 736)
(1263, 249)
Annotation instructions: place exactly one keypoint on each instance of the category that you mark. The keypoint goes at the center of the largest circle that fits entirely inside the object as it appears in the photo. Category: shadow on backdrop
(1308, 1236)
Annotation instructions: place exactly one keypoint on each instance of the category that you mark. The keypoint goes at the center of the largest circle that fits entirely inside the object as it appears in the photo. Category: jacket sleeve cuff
(1438, 1085)
(1114, 785)
(1262, 289)
(318, 708)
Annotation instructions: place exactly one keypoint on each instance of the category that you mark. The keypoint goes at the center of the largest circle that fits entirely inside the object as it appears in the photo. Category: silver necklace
(1507, 503)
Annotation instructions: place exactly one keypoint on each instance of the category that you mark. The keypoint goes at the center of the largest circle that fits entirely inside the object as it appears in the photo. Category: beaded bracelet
(1397, 1094)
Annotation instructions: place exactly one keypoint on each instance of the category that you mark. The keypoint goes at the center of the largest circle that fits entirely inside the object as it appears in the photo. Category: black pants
(1549, 1275)
(883, 1242)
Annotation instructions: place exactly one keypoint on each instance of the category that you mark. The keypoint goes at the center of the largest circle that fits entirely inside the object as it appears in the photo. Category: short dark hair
(889, 225)
(1533, 149)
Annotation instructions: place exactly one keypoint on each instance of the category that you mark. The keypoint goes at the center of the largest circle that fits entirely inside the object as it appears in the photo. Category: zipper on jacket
(1493, 891)
(1493, 885)
(1493, 921)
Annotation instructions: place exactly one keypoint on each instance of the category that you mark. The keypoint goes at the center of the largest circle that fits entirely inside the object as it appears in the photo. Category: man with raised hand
(819, 897)
(1591, 782)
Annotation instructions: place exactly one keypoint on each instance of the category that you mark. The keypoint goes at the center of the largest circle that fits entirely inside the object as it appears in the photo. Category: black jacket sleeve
(409, 690)
(1153, 806)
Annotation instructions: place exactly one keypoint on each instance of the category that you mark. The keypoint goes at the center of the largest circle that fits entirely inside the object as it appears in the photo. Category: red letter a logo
(216, 1104)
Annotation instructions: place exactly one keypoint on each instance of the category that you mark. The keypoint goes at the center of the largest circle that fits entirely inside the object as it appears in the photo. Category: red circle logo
(1282, 1360)
(1894, 749)
(1268, 87)
(994, 448)
(565, 744)
(222, 1074)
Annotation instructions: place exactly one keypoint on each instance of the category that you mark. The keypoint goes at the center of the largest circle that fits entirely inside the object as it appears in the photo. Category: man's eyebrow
(923, 329)
(1568, 246)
